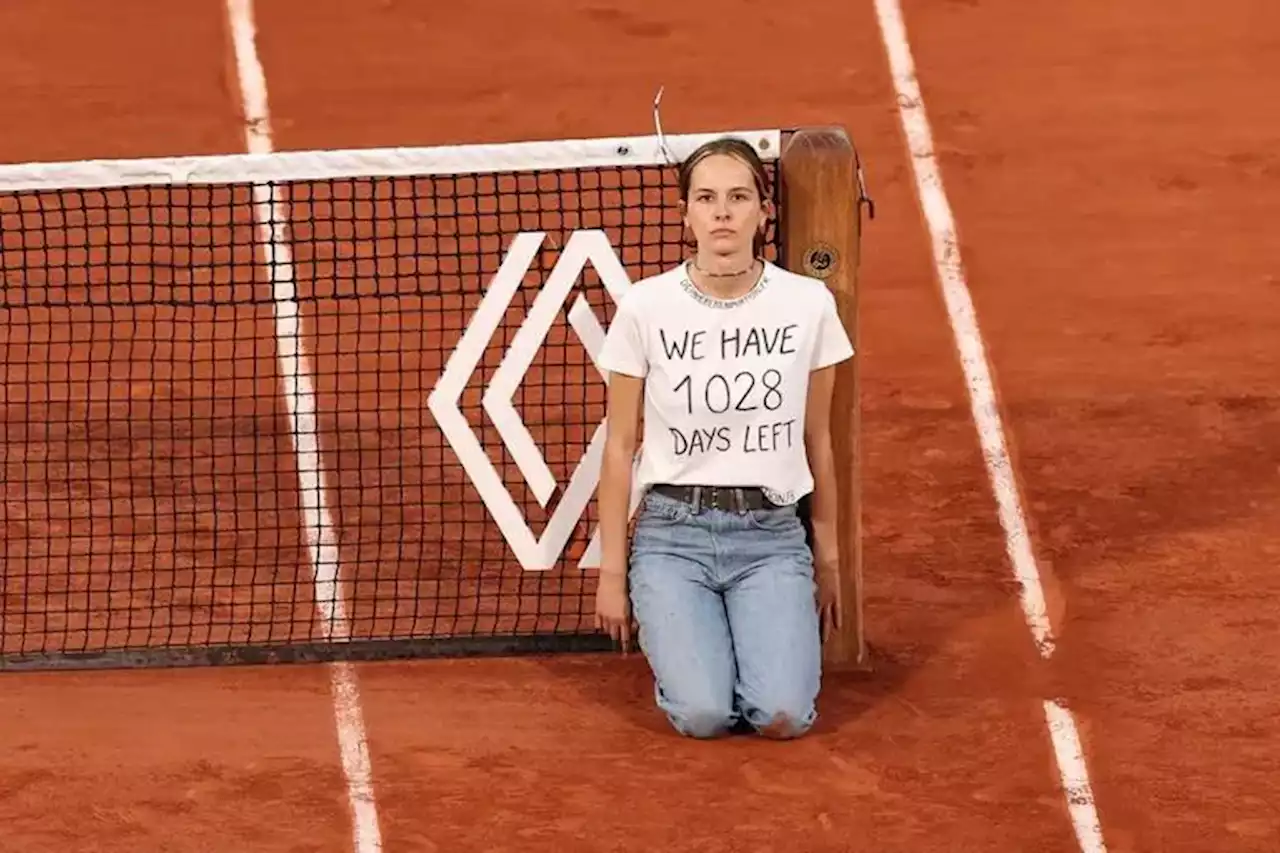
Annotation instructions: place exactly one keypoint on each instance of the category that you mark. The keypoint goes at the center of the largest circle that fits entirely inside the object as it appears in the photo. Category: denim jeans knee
(702, 723)
(784, 725)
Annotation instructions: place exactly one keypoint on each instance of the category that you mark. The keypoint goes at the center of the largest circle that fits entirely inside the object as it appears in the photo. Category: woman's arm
(625, 394)
(824, 500)
(613, 613)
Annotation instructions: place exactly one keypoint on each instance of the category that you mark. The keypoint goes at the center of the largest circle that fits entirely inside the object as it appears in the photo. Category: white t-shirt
(726, 381)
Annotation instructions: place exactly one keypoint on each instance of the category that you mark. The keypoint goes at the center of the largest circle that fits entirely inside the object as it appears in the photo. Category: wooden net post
(821, 232)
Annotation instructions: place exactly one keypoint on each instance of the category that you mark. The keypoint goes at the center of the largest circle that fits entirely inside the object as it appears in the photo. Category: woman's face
(724, 209)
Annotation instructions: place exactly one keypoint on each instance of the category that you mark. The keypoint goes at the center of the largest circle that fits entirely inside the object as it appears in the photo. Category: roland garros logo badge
(821, 260)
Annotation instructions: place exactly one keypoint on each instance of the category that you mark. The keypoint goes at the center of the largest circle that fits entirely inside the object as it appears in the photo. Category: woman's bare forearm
(824, 502)
(613, 496)
(614, 501)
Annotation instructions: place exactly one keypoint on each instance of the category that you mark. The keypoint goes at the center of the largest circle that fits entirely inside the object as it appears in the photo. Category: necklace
(710, 274)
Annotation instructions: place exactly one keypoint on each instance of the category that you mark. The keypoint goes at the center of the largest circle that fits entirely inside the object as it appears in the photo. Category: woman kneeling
(730, 360)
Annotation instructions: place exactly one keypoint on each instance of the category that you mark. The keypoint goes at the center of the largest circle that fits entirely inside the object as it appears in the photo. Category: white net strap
(284, 166)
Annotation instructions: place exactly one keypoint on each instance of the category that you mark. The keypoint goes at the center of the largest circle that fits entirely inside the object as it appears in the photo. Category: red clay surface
(1123, 277)
(1114, 214)
(182, 761)
(130, 79)
(192, 760)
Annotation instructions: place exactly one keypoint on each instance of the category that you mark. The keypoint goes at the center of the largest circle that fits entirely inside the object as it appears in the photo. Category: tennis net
(314, 405)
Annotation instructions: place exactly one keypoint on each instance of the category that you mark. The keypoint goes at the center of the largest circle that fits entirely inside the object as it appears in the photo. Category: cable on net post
(657, 125)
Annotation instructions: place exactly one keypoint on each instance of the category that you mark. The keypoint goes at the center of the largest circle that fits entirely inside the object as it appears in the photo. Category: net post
(821, 236)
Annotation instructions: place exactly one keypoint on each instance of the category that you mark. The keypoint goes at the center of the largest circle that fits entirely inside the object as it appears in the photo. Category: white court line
(273, 217)
(964, 325)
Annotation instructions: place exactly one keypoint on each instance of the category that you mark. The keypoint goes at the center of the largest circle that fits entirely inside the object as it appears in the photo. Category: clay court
(1112, 169)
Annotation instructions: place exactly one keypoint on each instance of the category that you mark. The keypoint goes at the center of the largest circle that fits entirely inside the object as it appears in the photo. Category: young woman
(730, 360)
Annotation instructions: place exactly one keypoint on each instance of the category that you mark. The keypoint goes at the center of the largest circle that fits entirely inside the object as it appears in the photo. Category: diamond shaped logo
(534, 553)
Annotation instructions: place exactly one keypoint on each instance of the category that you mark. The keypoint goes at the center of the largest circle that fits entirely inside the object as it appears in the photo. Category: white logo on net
(534, 553)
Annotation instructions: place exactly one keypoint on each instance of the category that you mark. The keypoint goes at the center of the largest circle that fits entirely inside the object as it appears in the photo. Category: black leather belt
(726, 498)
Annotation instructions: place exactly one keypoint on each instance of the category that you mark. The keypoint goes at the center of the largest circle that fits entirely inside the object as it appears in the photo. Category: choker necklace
(708, 274)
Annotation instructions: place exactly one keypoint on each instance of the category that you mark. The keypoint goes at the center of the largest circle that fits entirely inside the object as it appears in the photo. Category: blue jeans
(728, 618)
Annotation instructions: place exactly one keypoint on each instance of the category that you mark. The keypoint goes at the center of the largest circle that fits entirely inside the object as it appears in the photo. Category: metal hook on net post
(864, 198)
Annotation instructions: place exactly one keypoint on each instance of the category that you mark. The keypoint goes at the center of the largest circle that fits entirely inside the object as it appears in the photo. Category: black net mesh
(155, 509)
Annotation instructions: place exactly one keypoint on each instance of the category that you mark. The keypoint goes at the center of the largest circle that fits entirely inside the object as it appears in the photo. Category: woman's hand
(613, 608)
(830, 610)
